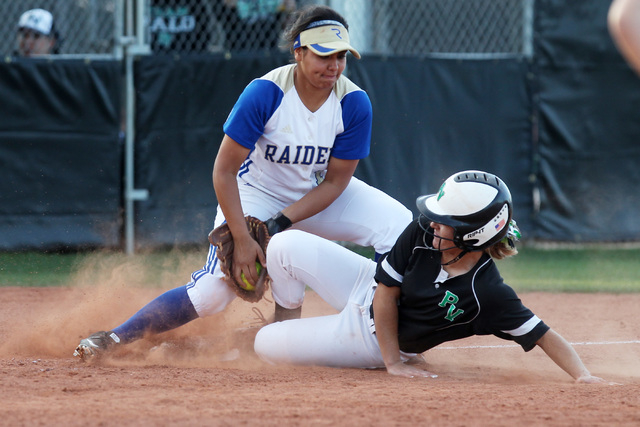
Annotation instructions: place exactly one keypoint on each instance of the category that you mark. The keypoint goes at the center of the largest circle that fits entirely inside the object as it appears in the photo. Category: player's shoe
(96, 345)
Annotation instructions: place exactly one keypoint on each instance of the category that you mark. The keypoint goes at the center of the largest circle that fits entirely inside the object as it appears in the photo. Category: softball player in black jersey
(438, 283)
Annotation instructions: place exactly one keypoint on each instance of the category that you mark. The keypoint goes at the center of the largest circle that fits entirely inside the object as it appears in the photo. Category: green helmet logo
(441, 191)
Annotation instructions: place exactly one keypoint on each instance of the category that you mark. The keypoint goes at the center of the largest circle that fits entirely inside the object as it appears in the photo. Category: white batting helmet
(476, 204)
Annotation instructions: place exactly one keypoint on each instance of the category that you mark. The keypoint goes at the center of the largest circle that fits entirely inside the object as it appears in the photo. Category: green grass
(54, 269)
(558, 270)
(568, 270)
(575, 270)
(37, 269)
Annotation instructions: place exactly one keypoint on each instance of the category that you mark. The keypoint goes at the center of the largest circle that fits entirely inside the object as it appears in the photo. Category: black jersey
(434, 309)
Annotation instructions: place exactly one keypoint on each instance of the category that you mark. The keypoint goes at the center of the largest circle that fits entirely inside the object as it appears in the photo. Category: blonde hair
(501, 250)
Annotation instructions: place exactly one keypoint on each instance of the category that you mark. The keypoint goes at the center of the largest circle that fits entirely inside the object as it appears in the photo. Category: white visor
(326, 40)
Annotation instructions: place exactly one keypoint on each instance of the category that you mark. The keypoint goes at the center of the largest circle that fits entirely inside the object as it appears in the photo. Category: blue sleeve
(251, 112)
(354, 142)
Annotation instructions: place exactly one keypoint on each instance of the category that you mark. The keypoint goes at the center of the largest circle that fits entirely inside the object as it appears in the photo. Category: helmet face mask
(476, 204)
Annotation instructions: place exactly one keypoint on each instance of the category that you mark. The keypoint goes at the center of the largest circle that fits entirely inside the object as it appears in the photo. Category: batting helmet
(476, 204)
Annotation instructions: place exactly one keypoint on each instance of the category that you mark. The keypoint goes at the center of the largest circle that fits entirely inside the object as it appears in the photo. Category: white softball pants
(342, 278)
(361, 214)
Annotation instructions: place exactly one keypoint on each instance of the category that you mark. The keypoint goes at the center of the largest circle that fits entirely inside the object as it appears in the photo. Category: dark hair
(301, 19)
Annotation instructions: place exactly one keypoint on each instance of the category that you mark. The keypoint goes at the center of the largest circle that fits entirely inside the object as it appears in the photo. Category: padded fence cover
(182, 104)
(588, 152)
(435, 117)
(60, 154)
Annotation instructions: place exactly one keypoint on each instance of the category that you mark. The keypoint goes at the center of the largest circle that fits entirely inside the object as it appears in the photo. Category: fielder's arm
(623, 20)
(338, 176)
(225, 169)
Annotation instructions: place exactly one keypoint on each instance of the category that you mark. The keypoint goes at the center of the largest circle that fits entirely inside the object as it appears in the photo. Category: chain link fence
(386, 27)
(453, 27)
(197, 26)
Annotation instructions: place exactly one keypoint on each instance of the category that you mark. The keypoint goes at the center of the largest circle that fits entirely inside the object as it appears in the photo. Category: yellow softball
(248, 286)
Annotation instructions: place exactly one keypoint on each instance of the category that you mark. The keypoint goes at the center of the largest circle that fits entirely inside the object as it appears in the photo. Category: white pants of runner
(361, 214)
(339, 276)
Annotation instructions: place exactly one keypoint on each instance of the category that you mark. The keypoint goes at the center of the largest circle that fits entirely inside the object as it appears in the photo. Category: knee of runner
(265, 343)
(284, 241)
(278, 245)
(405, 216)
(393, 228)
(283, 246)
(283, 253)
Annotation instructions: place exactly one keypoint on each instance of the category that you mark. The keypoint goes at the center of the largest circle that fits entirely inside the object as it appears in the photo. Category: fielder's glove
(222, 238)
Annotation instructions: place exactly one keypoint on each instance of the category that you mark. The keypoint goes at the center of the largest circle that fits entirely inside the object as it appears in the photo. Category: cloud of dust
(105, 291)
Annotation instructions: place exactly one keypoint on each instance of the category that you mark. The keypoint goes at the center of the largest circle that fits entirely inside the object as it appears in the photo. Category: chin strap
(456, 259)
(422, 218)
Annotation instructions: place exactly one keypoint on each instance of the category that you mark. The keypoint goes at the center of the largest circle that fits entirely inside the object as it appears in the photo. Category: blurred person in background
(624, 26)
(256, 25)
(37, 34)
(181, 26)
(197, 26)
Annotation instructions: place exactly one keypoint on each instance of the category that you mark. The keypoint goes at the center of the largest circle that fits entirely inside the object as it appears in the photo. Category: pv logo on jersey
(450, 299)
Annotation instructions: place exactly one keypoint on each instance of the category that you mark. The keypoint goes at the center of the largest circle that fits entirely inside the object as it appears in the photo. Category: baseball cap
(38, 20)
(325, 38)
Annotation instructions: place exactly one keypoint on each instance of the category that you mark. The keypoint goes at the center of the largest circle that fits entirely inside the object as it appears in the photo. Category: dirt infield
(202, 374)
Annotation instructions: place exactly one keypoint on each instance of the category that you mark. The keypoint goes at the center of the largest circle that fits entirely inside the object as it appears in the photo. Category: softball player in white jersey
(291, 159)
(292, 143)
(438, 283)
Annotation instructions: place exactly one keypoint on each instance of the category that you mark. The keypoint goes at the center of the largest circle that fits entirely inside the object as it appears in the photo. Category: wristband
(277, 223)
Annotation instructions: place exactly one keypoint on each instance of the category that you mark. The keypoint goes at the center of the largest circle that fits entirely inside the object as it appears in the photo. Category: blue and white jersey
(290, 145)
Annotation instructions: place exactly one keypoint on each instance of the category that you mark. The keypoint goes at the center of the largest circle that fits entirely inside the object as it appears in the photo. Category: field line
(516, 345)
